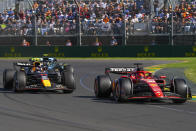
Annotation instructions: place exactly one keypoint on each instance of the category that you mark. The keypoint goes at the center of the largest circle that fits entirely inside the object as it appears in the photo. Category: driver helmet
(140, 75)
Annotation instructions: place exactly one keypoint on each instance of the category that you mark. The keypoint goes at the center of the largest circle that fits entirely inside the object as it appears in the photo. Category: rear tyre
(19, 81)
(102, 86)
(180, 87)
(123, 90)
(68, 81)
(8, 78)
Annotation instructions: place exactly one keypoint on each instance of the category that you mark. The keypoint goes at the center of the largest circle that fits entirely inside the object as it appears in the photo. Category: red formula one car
(135, 83)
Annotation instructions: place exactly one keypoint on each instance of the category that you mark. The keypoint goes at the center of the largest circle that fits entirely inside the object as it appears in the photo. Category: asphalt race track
(81, 111)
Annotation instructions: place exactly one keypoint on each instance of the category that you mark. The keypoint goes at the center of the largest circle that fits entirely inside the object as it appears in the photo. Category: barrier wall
(105, 40)
(105, 51)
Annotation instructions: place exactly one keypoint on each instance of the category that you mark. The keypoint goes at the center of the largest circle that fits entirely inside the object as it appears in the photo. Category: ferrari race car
(136, 84)
(40, 74)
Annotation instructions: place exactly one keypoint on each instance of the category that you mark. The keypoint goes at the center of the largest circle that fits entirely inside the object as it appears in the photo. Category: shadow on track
(94, 99)
(2, 90)
(112, 101)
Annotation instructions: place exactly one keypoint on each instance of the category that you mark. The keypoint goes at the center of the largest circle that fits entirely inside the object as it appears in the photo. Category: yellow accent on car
(35, 59)
(46, 83)
(153, 84)
(166, 89)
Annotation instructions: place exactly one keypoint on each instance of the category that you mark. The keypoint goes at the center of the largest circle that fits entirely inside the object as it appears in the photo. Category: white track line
(83, 85)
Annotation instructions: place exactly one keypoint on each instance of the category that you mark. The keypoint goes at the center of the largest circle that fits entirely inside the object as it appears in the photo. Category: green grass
(189, 63)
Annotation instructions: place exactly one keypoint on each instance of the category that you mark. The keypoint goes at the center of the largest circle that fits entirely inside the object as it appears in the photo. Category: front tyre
(123, 89)
(102, 86)
(68, 81)
(180, 87)
(19, 81)
(69, 68)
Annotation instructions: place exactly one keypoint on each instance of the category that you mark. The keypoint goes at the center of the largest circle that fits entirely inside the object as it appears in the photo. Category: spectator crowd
(52, 17)
(97, 17)
(109, 16)
(60, 17)
(184, 18)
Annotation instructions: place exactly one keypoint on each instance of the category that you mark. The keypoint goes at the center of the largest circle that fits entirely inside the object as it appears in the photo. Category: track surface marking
(81, 111)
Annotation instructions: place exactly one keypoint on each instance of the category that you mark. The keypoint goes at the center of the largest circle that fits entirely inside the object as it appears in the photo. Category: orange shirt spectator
(48, 13)
(106, 20)
(35, 6)
(25, 43)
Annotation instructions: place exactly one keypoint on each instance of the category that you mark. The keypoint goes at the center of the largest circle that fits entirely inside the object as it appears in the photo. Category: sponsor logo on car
(121, 69)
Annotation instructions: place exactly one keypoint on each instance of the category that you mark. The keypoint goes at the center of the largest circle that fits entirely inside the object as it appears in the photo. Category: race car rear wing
(22, 64)
(122, 70)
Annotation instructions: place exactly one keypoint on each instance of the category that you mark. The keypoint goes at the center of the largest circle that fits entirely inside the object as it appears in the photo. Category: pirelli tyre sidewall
(180, 87)
(19, 81)
(123, 89)
(8, 78)
(68, 80)
(102, 86)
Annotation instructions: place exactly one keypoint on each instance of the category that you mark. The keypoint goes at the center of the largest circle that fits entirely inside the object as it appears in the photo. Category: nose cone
(159, 94)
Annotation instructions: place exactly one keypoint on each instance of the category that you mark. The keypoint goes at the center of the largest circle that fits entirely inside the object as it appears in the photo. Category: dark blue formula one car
(40, 74)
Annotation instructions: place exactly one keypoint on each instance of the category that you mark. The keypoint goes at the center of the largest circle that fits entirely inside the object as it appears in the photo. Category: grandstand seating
(98, 17)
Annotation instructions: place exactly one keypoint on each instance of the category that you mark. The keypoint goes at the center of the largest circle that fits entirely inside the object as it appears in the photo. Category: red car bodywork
(146, 78)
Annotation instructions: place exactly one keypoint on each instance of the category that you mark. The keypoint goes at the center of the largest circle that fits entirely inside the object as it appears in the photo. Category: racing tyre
(19, 81)
(180, 87)
(8, 78)
(122, 90)
(68, 81)
(69, 68)
(102, 86)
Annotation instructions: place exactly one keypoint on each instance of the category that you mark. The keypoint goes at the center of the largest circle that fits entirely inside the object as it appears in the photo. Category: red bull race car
(40, 74)
(136, 84)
